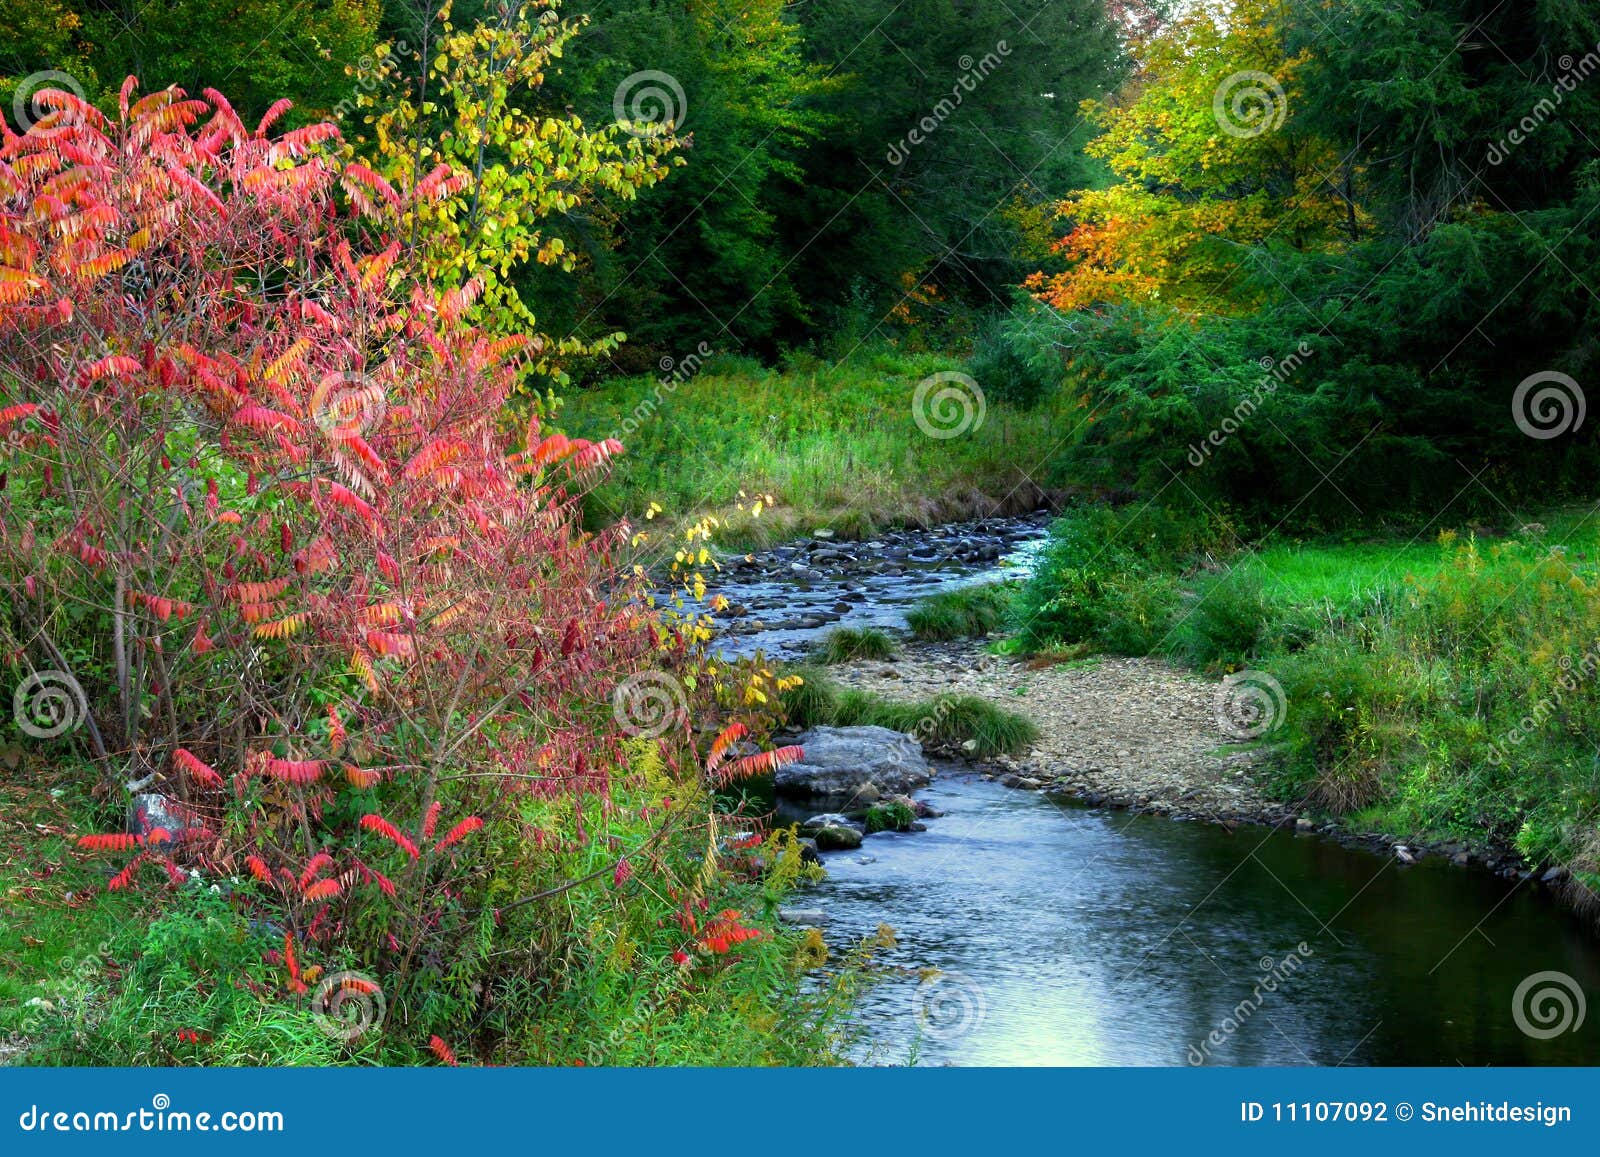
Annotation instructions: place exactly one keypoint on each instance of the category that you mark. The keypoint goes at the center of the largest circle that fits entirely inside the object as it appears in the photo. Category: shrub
(266, 537)
(1015, 357)
(1096, 558)
(1229, 621)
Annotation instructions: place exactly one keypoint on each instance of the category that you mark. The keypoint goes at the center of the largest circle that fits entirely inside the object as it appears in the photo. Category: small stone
(832, 839)
(812, 916)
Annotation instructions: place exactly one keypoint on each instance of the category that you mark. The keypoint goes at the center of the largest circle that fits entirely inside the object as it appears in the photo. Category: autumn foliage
(261, 498)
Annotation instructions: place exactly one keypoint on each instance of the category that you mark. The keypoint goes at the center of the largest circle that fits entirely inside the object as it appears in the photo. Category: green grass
(967, 613)
(845, 644)
(1435, 685)
(946, 720)
(839, 447)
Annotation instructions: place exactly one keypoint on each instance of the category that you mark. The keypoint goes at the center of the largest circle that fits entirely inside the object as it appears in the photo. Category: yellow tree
(457, 112)
(1208, 159)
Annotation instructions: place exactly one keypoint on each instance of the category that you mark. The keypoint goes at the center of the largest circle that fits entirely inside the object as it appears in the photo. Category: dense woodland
(335, 471)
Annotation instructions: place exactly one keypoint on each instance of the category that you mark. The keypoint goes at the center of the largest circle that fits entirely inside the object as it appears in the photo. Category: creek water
(1035, 931)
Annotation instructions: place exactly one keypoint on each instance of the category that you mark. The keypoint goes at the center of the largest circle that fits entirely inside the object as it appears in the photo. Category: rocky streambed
(1050, 911)
(780, 600)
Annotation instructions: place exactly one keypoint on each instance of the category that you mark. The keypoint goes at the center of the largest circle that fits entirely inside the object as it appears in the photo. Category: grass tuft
(968, 613)
(945, 720)
(844, 644)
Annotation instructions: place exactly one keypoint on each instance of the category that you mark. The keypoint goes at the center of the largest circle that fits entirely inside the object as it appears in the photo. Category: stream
(1032, 930)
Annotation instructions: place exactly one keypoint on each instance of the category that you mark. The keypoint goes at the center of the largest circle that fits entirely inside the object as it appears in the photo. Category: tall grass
(1442, 684)
(835, 446)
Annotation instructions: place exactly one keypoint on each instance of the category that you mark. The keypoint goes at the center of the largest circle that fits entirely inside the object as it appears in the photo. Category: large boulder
(838, 761)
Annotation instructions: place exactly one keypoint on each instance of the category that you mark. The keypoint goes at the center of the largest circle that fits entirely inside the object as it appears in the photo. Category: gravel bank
(1134, 733)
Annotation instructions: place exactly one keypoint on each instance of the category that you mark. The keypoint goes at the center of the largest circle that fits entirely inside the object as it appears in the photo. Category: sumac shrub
(266, 524)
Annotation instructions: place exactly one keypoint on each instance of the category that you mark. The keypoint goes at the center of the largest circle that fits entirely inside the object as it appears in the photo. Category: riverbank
(1119, 732)
(883, 440)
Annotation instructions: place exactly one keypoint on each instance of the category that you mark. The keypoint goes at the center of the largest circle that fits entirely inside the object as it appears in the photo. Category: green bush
(1099, 558)
(967, 613)
(1014, 358)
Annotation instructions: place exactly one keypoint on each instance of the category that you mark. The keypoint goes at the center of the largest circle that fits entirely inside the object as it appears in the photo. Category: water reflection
(1098, 938)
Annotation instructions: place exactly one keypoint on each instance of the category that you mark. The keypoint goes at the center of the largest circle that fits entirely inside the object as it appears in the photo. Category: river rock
(834, 839)
(838, 761)
(826, 820)
(811, 916)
